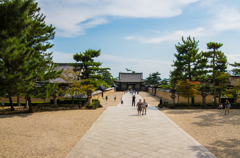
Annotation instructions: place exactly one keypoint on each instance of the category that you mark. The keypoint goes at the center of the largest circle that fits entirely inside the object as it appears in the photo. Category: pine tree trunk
(30, 105)
(178, 98)
(18, 100)
(220, 94)
(11, 104)
(26, 102)
(203, 100)
(72, 100)
(214, 86)
(192, 99)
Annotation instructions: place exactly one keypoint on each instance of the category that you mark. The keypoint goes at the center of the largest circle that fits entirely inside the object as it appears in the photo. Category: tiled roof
(101, 88)
(130, 77)
(234, 80)
(114, 85)
(61, 66)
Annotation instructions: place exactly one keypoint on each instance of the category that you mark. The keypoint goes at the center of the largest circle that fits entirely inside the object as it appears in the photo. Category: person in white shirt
(145, 105)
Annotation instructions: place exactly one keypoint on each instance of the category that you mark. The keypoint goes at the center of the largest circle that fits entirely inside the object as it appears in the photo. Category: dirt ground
(47, 134)
(219, 133)
(54, 134)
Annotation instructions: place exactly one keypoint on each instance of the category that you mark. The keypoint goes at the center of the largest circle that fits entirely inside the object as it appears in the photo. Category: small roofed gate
(130, 81)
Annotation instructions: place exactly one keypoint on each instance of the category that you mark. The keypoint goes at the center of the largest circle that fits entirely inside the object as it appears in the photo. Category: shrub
(164, 87)
(23, 103)
(69, 101)
(190, 106)
(91, 106)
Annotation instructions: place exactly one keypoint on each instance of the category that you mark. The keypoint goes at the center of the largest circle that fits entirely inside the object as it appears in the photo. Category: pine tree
(236, 71)
(89, 69)
(188, 60)
(218, 62)
(154, 78)
(222, 81)
(15, 22)
(24, 40)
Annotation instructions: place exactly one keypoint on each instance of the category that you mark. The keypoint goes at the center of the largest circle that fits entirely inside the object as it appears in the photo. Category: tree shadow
(135, 115)
(222, 149)
(22, 114)
(181, 111)
(218, 119)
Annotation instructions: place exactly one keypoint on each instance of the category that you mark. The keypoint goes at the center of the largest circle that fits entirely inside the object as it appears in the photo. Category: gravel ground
(219, 133)
(46, 134)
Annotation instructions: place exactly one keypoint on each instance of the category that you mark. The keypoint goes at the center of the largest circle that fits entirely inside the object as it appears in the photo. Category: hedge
(59, 102)
(23, 103)
(198, 106)
(69, 101)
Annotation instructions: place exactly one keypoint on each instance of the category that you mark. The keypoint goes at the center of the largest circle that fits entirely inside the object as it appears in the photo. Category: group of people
(131, 91)
(227, 106)
(141, 106)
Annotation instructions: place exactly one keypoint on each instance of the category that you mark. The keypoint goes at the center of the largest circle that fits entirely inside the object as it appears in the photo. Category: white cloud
(59, 57)
(227, 19)
(233, 58)
(73, 17)
(118, 64)
(146, 66)
(174, 36)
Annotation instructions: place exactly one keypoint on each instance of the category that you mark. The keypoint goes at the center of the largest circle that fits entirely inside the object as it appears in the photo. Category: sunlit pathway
(121, 132)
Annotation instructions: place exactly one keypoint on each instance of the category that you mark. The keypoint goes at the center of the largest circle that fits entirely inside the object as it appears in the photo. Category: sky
(140, 34)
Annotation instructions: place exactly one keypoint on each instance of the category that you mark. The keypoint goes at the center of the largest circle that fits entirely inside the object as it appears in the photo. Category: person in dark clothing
(106, 98)
(133, 100)
(161, 102)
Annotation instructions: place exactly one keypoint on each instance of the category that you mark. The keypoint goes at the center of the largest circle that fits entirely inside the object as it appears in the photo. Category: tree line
(200, 72)
(26, 68)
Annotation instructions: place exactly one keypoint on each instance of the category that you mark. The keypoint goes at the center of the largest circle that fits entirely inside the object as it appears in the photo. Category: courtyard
(54, 134)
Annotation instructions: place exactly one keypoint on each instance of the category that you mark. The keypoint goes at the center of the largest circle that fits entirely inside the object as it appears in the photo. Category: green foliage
(236, 70)
(218, 62)
(233, 91)
(94, 105)
(164, 87)
(107, 78)
(88, 67)
(24, 39)
(165, 81)
(75, 86)
(128, 69)
(189, 62)
(154, 78)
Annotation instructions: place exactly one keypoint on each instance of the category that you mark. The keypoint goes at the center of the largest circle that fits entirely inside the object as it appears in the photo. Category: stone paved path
(121, 132)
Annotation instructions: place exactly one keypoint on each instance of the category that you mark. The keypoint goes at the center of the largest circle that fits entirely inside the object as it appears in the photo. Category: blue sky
(141, 34)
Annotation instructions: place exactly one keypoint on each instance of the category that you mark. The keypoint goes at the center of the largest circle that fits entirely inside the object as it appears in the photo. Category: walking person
(115, 97)
(145, 105)
(133, 100)
(227, 106)
(161, 103)
(106, 98)
(139, 106)
(121, 101)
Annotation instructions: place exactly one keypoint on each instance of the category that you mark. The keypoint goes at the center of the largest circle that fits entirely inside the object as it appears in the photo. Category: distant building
(234, 80)
(130, 81)
(61, 66)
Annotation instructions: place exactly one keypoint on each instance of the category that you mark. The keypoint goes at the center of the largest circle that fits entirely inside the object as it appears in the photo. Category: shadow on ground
(223, 149)
(16, 115)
